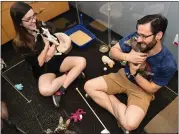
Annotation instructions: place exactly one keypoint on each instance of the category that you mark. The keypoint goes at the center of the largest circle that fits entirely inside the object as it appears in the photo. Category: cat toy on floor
(105, 131)
(61, 128)
(106, 60)
(78, 115)
(19, 86)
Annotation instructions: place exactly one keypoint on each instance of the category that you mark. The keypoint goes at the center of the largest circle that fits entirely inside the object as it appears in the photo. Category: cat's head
(63, 124)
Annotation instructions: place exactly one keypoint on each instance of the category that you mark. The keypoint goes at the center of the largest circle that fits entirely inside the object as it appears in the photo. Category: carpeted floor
(40, 114)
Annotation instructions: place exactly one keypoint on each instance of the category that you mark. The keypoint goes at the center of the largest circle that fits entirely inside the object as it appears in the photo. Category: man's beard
(144, 47)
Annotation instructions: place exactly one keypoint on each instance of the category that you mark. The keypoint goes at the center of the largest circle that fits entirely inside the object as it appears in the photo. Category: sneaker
(56, 99)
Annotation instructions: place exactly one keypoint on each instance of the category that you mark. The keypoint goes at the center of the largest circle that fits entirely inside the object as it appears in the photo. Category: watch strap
(136, 74)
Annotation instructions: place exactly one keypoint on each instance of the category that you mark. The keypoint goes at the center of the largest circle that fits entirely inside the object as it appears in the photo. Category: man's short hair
(158, 23)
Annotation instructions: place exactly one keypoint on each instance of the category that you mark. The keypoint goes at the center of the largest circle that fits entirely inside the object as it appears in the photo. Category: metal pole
(77, 12)
(109, 29)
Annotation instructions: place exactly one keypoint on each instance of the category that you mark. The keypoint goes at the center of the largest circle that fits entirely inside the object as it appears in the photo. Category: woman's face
(29, 20)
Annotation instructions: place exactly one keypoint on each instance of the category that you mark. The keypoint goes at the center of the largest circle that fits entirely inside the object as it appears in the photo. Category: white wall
(173, 28)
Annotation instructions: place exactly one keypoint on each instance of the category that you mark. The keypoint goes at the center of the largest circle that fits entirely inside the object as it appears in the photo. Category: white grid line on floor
(13, 66)
(172, 90)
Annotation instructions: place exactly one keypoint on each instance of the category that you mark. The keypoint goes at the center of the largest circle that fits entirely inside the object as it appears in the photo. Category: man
(159, 67)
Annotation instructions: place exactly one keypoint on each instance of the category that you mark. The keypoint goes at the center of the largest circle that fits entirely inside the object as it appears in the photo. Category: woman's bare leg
(74, 66)
(49, 84)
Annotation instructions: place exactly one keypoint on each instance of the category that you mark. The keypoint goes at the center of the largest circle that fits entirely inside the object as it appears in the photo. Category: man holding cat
(139, 86)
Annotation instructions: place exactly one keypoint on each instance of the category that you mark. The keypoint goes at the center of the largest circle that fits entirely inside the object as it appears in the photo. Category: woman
(40, 54)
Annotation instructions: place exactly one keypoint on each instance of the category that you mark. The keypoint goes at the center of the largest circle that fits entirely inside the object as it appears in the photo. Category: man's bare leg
(96, 88)
(130, 117)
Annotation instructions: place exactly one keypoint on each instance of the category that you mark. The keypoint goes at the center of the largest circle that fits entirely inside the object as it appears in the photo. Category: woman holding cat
(40, 54)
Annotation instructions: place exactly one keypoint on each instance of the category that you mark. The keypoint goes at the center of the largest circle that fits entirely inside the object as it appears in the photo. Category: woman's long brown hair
(23, 41)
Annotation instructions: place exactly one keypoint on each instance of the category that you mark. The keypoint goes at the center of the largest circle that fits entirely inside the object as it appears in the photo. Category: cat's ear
(68, 122)
(61, 120)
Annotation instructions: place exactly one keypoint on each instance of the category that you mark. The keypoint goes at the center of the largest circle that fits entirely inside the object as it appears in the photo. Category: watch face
(130, 77)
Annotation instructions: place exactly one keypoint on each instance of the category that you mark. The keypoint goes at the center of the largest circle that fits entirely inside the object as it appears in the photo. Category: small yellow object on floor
(107, 60)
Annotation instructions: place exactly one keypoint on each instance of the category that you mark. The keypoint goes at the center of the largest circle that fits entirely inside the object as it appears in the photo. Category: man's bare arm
(132, 56)
(117, 53)
(149, 87)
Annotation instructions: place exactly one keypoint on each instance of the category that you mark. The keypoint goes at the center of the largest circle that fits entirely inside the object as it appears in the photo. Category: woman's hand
(47, 53)
(136, 57)
(50, 52)
(47, 43)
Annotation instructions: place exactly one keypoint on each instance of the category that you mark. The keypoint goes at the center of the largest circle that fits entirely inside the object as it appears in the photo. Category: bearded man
(140, 86)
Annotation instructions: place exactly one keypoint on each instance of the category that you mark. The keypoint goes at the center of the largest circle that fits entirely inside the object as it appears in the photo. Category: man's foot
(123, 129)
(56, 99)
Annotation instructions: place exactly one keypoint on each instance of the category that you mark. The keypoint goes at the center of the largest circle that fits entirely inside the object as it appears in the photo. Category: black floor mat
(8, 52)
(40, 114)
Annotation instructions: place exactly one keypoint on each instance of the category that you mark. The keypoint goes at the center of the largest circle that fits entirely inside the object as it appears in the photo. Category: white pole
(92, 109)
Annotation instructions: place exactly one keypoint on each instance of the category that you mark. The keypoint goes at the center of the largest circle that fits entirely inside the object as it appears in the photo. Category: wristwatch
(136, 74)
(130, 76)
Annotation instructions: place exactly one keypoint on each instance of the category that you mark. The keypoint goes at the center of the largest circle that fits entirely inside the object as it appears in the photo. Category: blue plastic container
(83, 29)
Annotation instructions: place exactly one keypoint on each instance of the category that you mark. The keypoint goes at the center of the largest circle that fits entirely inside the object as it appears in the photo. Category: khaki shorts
(119, 83)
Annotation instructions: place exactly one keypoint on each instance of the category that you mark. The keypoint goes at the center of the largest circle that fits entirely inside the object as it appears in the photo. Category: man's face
(145, 37)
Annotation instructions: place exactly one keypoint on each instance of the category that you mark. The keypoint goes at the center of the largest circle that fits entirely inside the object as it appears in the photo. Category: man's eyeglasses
(31, 18)
(143, 36)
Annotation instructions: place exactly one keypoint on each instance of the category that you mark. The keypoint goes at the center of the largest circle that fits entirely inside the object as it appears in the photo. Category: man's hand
(133, 68)
(136, 57)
